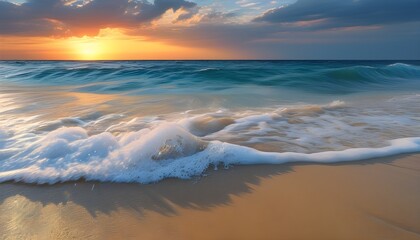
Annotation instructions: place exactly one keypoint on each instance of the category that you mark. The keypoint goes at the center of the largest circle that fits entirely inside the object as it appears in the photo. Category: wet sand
(374, 199)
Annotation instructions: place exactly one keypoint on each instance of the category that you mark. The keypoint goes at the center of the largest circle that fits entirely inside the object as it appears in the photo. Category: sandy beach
(373, 199)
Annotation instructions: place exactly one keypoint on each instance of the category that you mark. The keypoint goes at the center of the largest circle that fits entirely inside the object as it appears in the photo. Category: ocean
(144, 121)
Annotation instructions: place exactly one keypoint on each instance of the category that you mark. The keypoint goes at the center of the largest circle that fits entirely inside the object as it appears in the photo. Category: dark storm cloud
(69, 17)
(345, 13)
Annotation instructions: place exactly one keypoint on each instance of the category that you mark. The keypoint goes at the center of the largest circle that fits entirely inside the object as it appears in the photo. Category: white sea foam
(119, 148)
(150, 155)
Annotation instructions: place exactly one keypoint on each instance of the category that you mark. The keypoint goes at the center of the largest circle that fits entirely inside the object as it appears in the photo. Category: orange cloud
(79, 18)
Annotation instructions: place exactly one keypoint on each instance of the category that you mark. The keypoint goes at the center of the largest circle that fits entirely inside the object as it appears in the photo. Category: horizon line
(110, 60)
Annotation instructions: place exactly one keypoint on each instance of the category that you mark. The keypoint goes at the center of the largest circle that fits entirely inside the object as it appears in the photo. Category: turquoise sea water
(142, 121)
(163, 77)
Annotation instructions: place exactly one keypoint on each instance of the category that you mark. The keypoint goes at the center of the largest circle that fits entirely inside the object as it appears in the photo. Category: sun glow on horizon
(88, 49)
(109, 44)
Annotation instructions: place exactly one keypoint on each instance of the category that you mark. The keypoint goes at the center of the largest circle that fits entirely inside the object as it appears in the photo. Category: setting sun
(88, 50)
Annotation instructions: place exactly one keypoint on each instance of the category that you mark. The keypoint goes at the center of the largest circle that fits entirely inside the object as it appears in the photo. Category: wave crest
(150, 155)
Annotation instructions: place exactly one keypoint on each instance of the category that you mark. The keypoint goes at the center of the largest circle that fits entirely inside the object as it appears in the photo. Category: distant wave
(323, 77)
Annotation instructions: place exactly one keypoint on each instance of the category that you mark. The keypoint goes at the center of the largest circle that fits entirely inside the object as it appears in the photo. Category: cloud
(82, 17)
(216, 16)
(262, 41)
(188, 14)
(327, 14)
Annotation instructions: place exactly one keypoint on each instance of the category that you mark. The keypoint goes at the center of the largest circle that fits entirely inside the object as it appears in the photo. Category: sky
(209, 29)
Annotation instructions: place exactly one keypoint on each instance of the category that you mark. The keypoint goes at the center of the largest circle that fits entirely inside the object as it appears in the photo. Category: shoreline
(370, 199)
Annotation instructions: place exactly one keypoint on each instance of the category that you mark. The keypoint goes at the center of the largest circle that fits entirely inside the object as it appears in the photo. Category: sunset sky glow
(209, 29)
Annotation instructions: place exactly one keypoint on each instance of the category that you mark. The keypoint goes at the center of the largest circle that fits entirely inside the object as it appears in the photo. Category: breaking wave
(185, 145)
